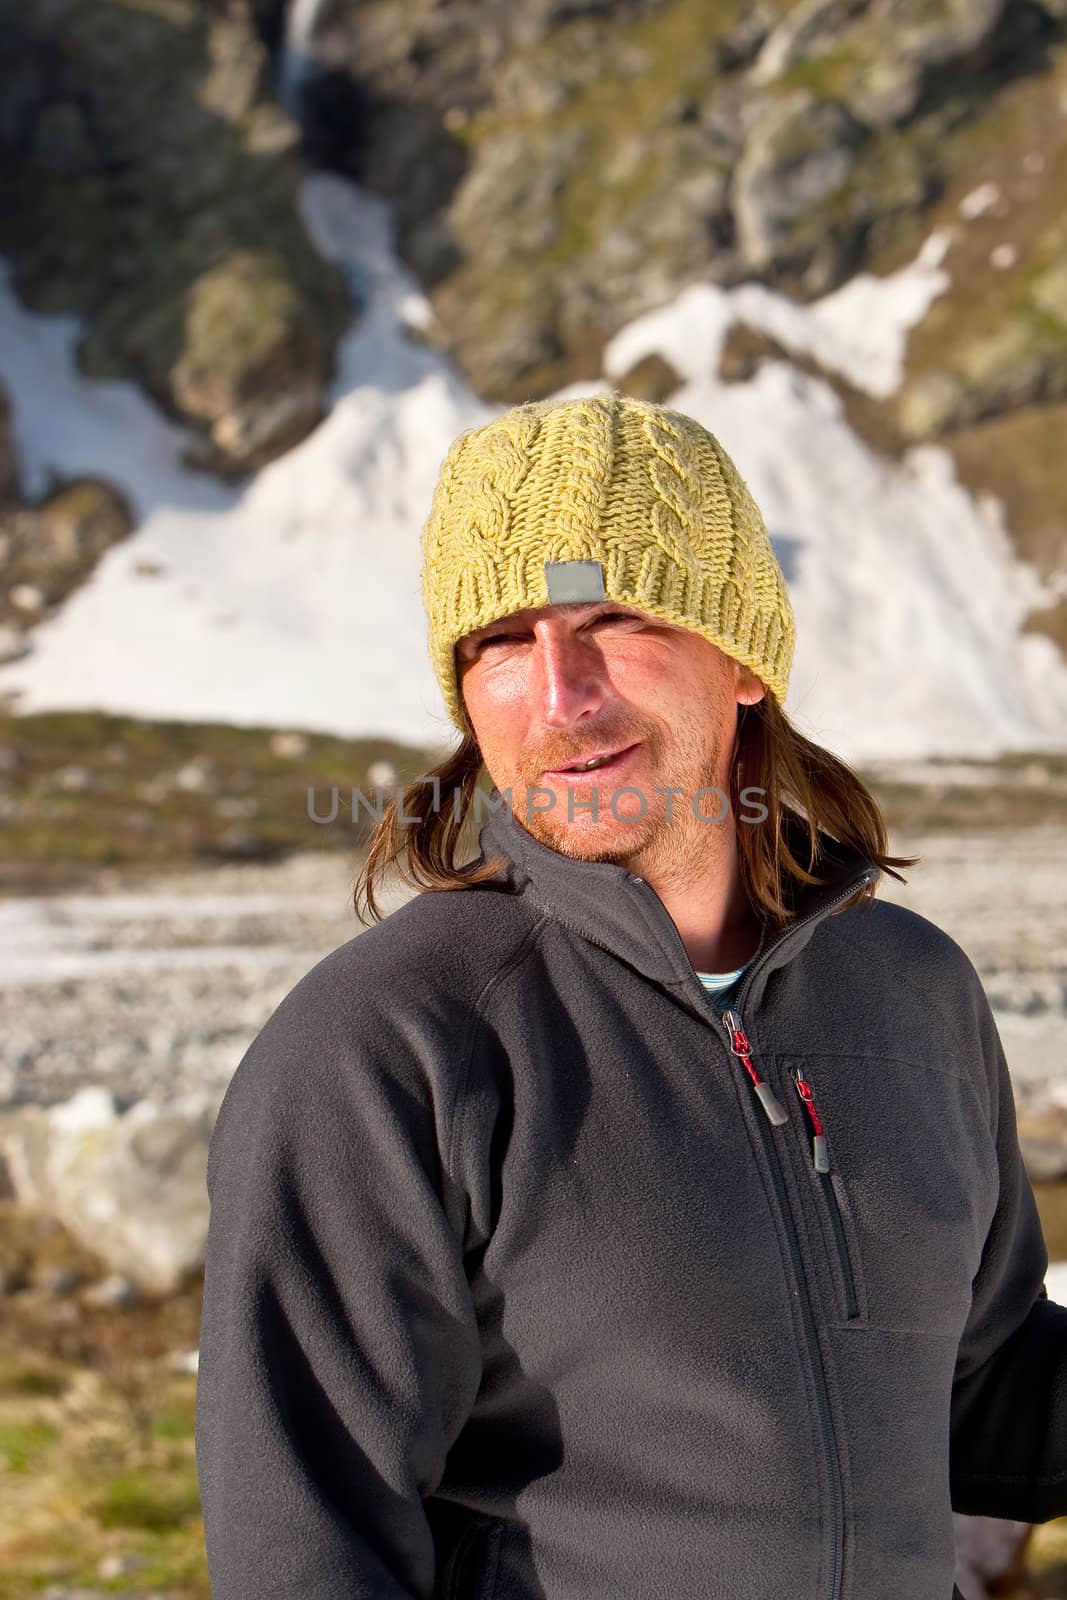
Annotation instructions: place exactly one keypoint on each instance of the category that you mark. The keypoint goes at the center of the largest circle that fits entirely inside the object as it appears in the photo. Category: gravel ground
(1002, 895)
(153, 987)
(156, 989)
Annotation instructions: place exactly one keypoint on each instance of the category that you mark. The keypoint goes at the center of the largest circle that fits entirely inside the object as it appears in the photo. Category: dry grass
(97, 1456)
(81, 790)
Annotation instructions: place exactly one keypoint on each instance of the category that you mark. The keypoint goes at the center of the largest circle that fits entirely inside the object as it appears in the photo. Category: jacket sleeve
(339, 1352)
(1009, 1398)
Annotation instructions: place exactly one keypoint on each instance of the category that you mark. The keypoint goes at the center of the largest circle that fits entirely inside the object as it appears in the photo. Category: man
(639, 1212)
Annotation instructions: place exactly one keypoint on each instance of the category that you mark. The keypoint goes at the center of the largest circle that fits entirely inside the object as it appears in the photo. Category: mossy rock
(53, 546)
(248, 330)
(994, 344)
(153, 194)
(1017, 361)
(745, 350)
(652, 378)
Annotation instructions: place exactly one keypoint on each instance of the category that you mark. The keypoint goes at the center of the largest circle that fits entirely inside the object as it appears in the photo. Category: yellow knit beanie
(601, 497)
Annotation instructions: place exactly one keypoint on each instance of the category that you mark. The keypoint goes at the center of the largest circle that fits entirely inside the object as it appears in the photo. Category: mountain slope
(296, 601)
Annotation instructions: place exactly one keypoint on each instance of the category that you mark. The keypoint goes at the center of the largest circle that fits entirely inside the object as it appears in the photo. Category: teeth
(597, 761)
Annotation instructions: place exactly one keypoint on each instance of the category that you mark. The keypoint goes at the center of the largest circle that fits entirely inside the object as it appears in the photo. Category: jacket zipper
(826, 1420)
(821, 1158)
(739, 1045)
(776, 1115)
(811, 1337)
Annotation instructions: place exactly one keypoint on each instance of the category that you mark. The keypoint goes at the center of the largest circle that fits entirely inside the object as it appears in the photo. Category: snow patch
(293, 602)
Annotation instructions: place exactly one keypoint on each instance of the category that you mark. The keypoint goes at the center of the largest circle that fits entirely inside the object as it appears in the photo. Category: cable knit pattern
(647, 492)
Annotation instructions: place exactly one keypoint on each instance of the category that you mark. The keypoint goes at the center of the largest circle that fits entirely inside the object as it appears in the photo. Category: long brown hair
(798, 782)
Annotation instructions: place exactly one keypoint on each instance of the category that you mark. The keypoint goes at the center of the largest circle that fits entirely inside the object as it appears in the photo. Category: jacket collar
(618, 910)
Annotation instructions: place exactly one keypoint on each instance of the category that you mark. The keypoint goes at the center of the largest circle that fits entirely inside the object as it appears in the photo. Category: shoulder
(893, 952)
(410, 985)
(903, 938)
(384, 1030)
(439, 943)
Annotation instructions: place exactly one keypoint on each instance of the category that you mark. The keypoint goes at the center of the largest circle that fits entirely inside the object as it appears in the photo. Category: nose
(568, 675)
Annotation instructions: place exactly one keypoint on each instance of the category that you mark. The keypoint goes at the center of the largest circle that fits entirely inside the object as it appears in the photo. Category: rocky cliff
(561, 166)
(556, 168)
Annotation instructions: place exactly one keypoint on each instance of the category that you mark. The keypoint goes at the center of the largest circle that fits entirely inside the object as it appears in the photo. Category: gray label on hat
(574, 580)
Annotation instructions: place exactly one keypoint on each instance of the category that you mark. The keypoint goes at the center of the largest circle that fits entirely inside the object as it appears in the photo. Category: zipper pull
(776, 1112)
(804, 1090)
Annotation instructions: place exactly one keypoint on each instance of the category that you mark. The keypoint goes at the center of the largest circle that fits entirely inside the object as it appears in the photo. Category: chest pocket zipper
(821, 1158)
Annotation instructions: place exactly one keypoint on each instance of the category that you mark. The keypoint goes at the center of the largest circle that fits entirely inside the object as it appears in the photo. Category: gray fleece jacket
(531, 1278)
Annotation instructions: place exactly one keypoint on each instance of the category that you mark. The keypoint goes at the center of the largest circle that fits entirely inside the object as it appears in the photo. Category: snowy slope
(295, 602)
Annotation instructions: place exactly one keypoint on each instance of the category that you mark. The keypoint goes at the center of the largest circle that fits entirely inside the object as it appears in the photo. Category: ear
(748, 687)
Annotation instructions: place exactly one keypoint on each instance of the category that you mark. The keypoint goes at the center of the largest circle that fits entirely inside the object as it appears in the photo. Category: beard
(663, 833)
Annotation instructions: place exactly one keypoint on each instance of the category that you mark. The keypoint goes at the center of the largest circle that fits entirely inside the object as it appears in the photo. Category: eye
(472, 649)
(614, 616)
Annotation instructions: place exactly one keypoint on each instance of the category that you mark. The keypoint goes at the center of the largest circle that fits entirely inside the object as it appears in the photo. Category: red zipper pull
(740, 1046)
(804, 1090)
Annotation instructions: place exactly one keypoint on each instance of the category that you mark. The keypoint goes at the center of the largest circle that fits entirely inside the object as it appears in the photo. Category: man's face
(557, 685)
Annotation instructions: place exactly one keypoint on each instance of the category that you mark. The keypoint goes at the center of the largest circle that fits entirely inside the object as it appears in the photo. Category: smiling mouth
(596, 763)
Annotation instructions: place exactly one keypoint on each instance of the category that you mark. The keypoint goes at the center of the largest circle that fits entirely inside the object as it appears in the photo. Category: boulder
(876, 61)
(652, 378)
(252, 360)
(744, 350)
(152, 187)
(129, 1187)
(929, 403)
(50, 548)
(73, 527)
(884, 88)
(809, 29)
(990, 1555)
(798, 158)
(1022, 359)
(934, 32)
(993, 368)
